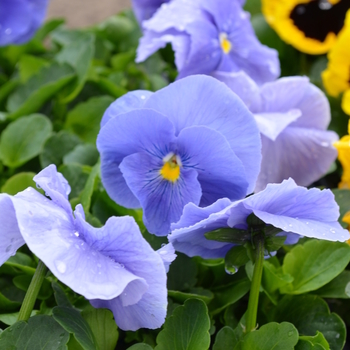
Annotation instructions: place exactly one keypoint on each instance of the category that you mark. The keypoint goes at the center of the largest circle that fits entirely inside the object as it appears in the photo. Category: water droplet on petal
(76, 233)
(61, 266)
(8, 248)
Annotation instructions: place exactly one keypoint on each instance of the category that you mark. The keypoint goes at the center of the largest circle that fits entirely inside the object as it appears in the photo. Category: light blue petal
(138, 257)
(202, 100)
(128, 102)
(144, 9)
(220, 171)
(162, 200)
(188, 234)
(167, 253)
(301, 153)
(290, 93)
(272, 124)
(135, 131)
(20, 19)
(10, 235)
(67, 251)
(55, 186)
(242, 85)
(205, 52)
(153, 41)
(311, 213)
(283, 94)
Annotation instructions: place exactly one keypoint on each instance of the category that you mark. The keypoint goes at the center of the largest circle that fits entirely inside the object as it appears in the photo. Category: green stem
(255, 287)
(32, 292)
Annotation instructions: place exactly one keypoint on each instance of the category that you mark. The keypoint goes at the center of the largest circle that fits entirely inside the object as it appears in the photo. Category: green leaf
(23, 281)
(84, 120)
(116, 28)
(76, 176)
(198, 293)
(60, 296)
(314, 264)
(78, 52)
(226, 339)
(72, 321)
(140, 346)
(7, 305)
(29, 66)
(56, 147)
(104, 207)
(48, 27)
(182, 273)
(272, 335)
(318, 342)
(186, 329)
(237, 256)
(310, 314)
(229, 294)
(120, 61)
(10, 319)
(22, 262)
(274, 243)
(86, 154)
(342, 197)
(41, 332)
(29, 97)
(274, 278)
(338, 288)
(103, 327)
(24, 139)
(85, 197)
(6, 89)
(18, 183)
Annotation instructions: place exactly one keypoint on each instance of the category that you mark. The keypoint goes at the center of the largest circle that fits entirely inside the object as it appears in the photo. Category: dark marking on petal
(319, 17)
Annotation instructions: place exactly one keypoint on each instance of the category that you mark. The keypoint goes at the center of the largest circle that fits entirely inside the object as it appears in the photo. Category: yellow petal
(345, 104)
(278, 15)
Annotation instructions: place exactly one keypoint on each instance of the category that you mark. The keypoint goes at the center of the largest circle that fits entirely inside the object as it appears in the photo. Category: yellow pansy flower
(310, 26)
(336, 78)
(343, 147)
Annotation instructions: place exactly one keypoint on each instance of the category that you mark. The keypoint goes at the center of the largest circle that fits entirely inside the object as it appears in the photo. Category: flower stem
(255, 287)
(32, 292)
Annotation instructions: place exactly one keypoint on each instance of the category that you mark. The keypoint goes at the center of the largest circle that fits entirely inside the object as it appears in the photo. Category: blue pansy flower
(292, 115)
(193, 141)
(20, 19)
(112, 266)
(295, 210)
(209, 35)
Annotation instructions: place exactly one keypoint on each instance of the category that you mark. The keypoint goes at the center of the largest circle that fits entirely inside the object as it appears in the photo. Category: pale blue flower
(193, 141)
(292, 115)
(112, 266)
(209, 35)
(295, 210)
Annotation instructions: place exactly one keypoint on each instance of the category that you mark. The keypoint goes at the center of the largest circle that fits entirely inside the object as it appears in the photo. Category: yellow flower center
(225, 43)
(171, 168)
